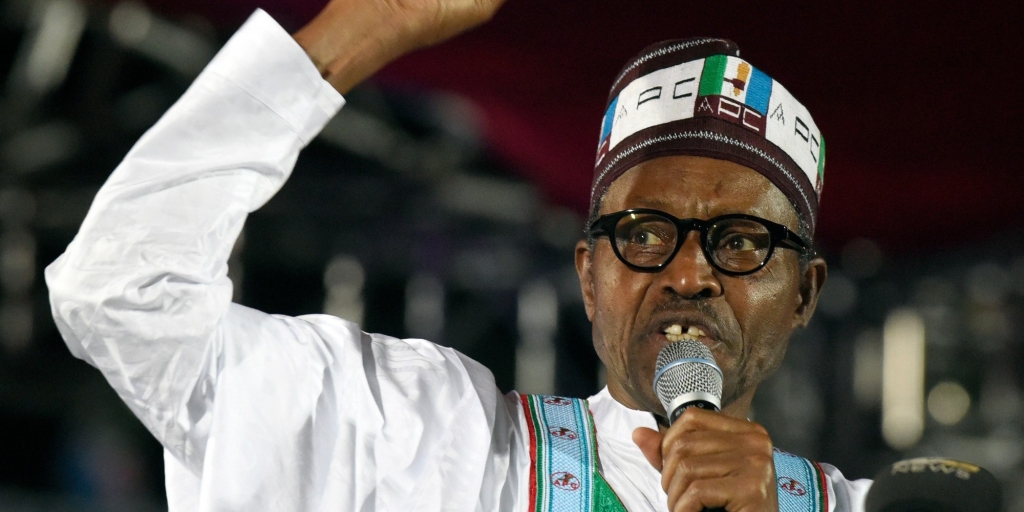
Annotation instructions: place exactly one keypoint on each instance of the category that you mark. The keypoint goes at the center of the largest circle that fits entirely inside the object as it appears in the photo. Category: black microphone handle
(700, 404)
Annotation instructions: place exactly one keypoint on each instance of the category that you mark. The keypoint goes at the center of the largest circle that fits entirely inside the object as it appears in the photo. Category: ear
(811, 282)
(583, 260)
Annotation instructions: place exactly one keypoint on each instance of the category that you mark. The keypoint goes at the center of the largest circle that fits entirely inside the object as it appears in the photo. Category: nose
(689, 274)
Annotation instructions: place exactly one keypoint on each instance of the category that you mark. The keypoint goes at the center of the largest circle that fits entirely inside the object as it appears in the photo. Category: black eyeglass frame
(778, 234)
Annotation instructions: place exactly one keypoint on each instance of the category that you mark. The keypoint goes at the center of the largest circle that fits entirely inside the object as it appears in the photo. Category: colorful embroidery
(563, 454)
(802, 485)
(565, 471)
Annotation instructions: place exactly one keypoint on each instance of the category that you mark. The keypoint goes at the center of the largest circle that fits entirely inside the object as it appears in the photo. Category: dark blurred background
(444, 201)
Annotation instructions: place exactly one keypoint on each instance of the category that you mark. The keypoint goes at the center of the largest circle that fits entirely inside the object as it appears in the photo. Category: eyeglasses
(646, 240)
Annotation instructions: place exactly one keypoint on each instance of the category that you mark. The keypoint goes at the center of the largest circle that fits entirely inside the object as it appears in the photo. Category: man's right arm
(142, 291)
(142, 294)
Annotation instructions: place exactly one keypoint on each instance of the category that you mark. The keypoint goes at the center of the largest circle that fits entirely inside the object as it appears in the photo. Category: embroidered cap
(698, 97)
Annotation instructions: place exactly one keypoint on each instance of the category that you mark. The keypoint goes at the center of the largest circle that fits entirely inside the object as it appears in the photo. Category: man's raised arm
(142, 291)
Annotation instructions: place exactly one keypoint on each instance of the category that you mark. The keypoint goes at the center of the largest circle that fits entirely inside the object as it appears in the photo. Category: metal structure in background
(398, 217)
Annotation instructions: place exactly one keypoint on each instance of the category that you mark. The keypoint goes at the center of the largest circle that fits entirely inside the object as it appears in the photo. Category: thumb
(649, 442)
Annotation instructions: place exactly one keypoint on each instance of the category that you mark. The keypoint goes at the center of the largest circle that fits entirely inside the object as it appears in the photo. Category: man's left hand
(710, 460)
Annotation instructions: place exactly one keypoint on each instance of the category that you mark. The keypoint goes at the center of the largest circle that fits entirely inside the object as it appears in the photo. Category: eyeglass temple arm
(795, 241)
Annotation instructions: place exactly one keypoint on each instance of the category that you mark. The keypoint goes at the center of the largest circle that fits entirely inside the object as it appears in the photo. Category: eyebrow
(655, 203)
(663, 205)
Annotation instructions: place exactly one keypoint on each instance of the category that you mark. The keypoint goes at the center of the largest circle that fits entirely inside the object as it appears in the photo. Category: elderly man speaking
(704, 201)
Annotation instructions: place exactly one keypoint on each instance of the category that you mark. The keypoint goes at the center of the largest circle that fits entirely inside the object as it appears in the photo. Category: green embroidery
(821, 161)
(605, 499)
(711, 78)
(541, 497)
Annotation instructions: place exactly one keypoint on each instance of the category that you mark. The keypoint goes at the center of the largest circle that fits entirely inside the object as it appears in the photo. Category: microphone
(932, 484)
(685, 375)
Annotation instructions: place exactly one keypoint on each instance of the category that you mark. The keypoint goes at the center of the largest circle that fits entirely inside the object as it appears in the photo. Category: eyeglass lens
(648, 240)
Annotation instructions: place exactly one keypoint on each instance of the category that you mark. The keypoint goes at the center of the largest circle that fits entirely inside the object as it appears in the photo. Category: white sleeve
(845, 495)
(142, 291)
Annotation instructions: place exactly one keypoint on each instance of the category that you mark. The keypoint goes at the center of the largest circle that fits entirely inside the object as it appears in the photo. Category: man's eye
(738, 242)
(646, 237)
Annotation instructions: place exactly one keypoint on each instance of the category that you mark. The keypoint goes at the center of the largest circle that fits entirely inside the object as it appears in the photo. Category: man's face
(746, 320)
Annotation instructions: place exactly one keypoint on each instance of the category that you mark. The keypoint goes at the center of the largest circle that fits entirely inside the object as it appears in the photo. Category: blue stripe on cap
(759, 90)
(609, 118)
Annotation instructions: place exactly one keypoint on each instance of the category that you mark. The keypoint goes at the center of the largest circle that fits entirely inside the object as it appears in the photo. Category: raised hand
(709, 460)
(351, 39)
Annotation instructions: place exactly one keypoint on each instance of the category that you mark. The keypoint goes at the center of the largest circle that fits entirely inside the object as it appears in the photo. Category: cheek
(764, 307)
(618, 294)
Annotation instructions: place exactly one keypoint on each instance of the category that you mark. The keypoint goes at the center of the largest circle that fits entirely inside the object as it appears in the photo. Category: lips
(678, 326)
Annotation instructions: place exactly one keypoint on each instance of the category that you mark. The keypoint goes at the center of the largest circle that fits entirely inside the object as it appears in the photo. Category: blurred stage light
(424, 307)
(490, 198)
(130, 22)
(903, 358)
(537, 322)
(343, 280)
(948, 402)
(43, 63)
(867, 368)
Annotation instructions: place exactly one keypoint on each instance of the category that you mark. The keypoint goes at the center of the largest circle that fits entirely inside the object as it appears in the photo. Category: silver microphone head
(686, 374)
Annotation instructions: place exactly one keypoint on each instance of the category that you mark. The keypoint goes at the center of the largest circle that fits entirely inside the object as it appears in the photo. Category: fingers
(713, 461)
(753, 470)
(699, 419)
(686, 449)
(702, 432)
(649, 442)
(735, 493)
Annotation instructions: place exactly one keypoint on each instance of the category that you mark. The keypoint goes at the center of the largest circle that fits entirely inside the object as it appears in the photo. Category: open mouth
(678, 332)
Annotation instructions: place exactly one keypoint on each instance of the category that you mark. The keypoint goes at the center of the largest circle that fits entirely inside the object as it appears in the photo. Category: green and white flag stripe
(721, 86)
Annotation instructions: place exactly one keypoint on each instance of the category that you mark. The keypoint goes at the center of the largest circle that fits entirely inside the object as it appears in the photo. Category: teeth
(675, 332)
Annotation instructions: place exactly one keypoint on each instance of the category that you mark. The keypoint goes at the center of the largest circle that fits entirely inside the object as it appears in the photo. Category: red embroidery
(564, 433)
(565, 481)
(792, 486)
(557, 400)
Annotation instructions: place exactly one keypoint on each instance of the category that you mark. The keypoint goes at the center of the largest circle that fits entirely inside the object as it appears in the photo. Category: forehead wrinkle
(655, 203)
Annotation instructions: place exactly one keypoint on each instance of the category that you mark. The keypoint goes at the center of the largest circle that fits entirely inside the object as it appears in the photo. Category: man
(697, 233)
